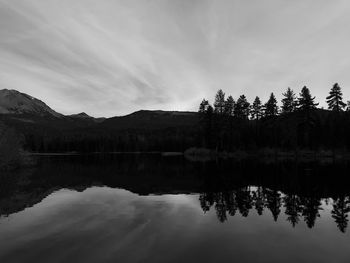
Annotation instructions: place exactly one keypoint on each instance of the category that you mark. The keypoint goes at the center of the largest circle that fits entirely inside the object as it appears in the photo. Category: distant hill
(46, 130)
(84, 116)
(152, 120)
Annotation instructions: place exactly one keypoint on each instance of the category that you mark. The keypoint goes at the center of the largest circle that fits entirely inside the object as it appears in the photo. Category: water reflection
(104, 208)
(297, 189)
(296, 208)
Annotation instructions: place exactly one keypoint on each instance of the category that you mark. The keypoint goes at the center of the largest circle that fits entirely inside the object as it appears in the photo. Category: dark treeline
(231, 124)
(260, 199)
(227, 125)
(112, 141)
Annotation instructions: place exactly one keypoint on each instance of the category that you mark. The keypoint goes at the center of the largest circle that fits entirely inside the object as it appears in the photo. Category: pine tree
(219, 104)
(229, 106)
(203, 106)
(271, 108)
(256, 109)
(306, 101)
(241, 109)
(289, 101)
(335, 99)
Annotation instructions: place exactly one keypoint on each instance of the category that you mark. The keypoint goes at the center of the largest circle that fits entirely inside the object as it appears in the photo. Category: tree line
(242, 109)
(229, 124)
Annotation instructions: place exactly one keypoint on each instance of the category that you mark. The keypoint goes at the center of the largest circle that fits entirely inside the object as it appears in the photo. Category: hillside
(15, 102)
(46, 130)
(151, 120)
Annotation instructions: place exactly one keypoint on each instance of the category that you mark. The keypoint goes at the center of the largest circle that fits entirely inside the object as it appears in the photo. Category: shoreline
(198, 153)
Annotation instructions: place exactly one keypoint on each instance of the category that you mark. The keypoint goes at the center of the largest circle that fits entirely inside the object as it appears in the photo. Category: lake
(155, 208)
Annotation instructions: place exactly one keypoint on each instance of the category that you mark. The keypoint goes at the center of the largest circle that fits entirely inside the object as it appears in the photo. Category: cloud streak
(112, 57)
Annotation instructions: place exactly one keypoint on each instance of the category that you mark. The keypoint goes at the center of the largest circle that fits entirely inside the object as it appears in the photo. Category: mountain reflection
(262, 199)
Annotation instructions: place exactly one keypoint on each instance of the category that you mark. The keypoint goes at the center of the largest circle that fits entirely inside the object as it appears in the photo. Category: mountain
(45, 130)
(81, 115)
(152, 120)
(32, 117)
(15, 102)
(84, 116)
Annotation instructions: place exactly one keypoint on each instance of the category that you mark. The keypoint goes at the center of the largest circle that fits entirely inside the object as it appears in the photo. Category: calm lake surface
(152, 208)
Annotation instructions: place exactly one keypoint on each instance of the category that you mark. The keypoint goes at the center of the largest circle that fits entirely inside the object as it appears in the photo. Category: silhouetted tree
(229, 106)
(341, 208)
(219, 103)
(242, 106)
(271, 108)
(305, 101)
(256, 110)
(203, 107)
(206, 123)
(335, 99)
(209, 127)
(289, 101)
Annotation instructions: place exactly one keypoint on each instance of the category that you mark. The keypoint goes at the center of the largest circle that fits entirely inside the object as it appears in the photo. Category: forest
(298, 124)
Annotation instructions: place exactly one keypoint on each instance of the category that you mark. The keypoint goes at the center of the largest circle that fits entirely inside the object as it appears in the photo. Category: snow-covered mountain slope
(15, 102)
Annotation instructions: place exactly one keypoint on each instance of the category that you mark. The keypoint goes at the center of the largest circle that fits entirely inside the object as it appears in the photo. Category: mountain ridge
(15, 102)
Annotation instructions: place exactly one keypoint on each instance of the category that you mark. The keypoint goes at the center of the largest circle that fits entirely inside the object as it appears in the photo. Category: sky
(113, 57)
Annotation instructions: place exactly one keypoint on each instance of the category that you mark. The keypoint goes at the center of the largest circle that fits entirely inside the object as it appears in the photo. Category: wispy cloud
(113, 57)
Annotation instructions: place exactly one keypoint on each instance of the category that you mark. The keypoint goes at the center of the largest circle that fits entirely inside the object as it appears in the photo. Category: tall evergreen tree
(289, 101)
(305, 101)
(219, 104)
(256, 109)
(203, 106)
(335, 99)
(241, 109)
(271, 108)
(229, 106)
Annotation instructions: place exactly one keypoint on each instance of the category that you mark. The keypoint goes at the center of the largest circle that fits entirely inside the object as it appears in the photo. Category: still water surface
(149, 208)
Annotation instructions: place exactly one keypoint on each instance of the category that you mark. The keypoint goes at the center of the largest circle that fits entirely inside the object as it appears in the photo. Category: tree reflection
(244, 201)
(259, 200)
(273, 199)
(295, 207)
(311, 207)
(341, 208)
